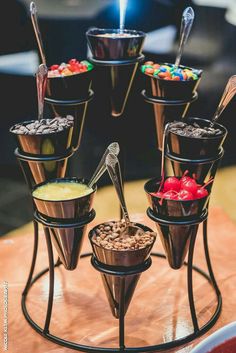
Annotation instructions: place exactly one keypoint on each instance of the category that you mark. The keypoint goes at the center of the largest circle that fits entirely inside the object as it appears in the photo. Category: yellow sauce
(61, 191)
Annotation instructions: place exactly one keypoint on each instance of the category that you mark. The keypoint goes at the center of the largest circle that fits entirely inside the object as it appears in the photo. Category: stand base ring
(93, 349)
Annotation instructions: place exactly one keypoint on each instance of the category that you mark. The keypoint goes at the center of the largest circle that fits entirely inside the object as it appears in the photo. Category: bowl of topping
(69, 81)
(178, 196)
(165, 81)
(112, 248)
(114, 44)
(45, 136)
(64, 198)
(221, 341)
(195, 138)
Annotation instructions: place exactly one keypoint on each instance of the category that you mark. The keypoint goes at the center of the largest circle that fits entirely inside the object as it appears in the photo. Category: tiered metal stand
(122, 273)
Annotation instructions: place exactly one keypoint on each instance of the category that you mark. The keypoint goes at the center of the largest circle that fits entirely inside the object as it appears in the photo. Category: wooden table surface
(159, 309)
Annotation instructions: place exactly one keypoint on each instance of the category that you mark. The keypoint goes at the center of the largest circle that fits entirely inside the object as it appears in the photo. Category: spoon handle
(33, 12)
(113, 167)
(41, 82)
(101, 168)
(228, 94)
(186, 25)
(163, 152)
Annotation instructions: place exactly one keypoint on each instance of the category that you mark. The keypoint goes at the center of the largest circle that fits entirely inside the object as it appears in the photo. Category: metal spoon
(113, 167)
(228, 94)
(186, 25)
(41, 82)
(165, 133)
(33, 12)
(101, 168)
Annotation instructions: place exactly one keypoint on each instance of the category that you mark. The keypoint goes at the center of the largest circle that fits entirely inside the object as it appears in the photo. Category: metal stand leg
(35, 251)
(190, 284)
(207, 256)
(122, 316)
(51, 281)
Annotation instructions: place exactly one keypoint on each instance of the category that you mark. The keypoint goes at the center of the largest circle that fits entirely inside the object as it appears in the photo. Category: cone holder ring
(156, 100)
(70, 102)
(116, 62)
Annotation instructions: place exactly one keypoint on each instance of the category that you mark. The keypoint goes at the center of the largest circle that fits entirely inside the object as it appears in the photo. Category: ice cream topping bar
(169, 72)
(108, 235)
(71, 68)
(193, 130)
(43, 126)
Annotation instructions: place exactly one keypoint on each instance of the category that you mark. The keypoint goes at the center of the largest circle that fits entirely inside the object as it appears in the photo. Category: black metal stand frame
(121, 272)
(45, 331)
(111, 270)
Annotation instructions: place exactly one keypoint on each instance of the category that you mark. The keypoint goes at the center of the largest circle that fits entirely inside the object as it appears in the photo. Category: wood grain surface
(158, 312)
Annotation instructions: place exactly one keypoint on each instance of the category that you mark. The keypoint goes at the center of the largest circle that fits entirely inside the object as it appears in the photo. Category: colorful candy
(73, 67)
(169, 72)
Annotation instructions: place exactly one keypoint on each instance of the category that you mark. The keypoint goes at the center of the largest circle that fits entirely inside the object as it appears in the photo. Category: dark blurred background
(63, 24)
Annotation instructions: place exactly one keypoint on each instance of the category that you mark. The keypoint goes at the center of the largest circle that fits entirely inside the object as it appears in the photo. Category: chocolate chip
(194, 130)
(43, 126)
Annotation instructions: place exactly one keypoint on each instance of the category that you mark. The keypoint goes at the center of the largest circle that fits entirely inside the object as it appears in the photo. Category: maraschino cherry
(182, 189)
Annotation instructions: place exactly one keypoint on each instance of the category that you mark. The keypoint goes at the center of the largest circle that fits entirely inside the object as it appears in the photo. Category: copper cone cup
(175, 240)
(116, 58)
(69, 87)
(78, 111)
(65, 210)
(44, 144)
(164, 114)
(169, 89)
(38, 172)
(68, 243)
(115, 48)
(200, 170)
(174, 209)
(202, 147)
(121, 79)
(121, 259)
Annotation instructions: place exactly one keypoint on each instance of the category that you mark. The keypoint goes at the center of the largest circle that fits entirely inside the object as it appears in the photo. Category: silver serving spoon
(228, 94)
(41, 82)
(164, 138)
(186, 25)
(34, 19)
(113, 167)
(101, 168)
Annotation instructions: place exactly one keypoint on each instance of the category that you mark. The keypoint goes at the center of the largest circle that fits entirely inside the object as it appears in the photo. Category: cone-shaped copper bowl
(115, 48)
(44, 144)
(73, 209)
(70, 87)
(173, 208)
(196, 147)
(68, 243)
(169, 89)
(175, 240)
(124, 258)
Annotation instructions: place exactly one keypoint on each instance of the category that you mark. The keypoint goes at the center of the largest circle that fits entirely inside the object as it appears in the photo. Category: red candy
(71, 68)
